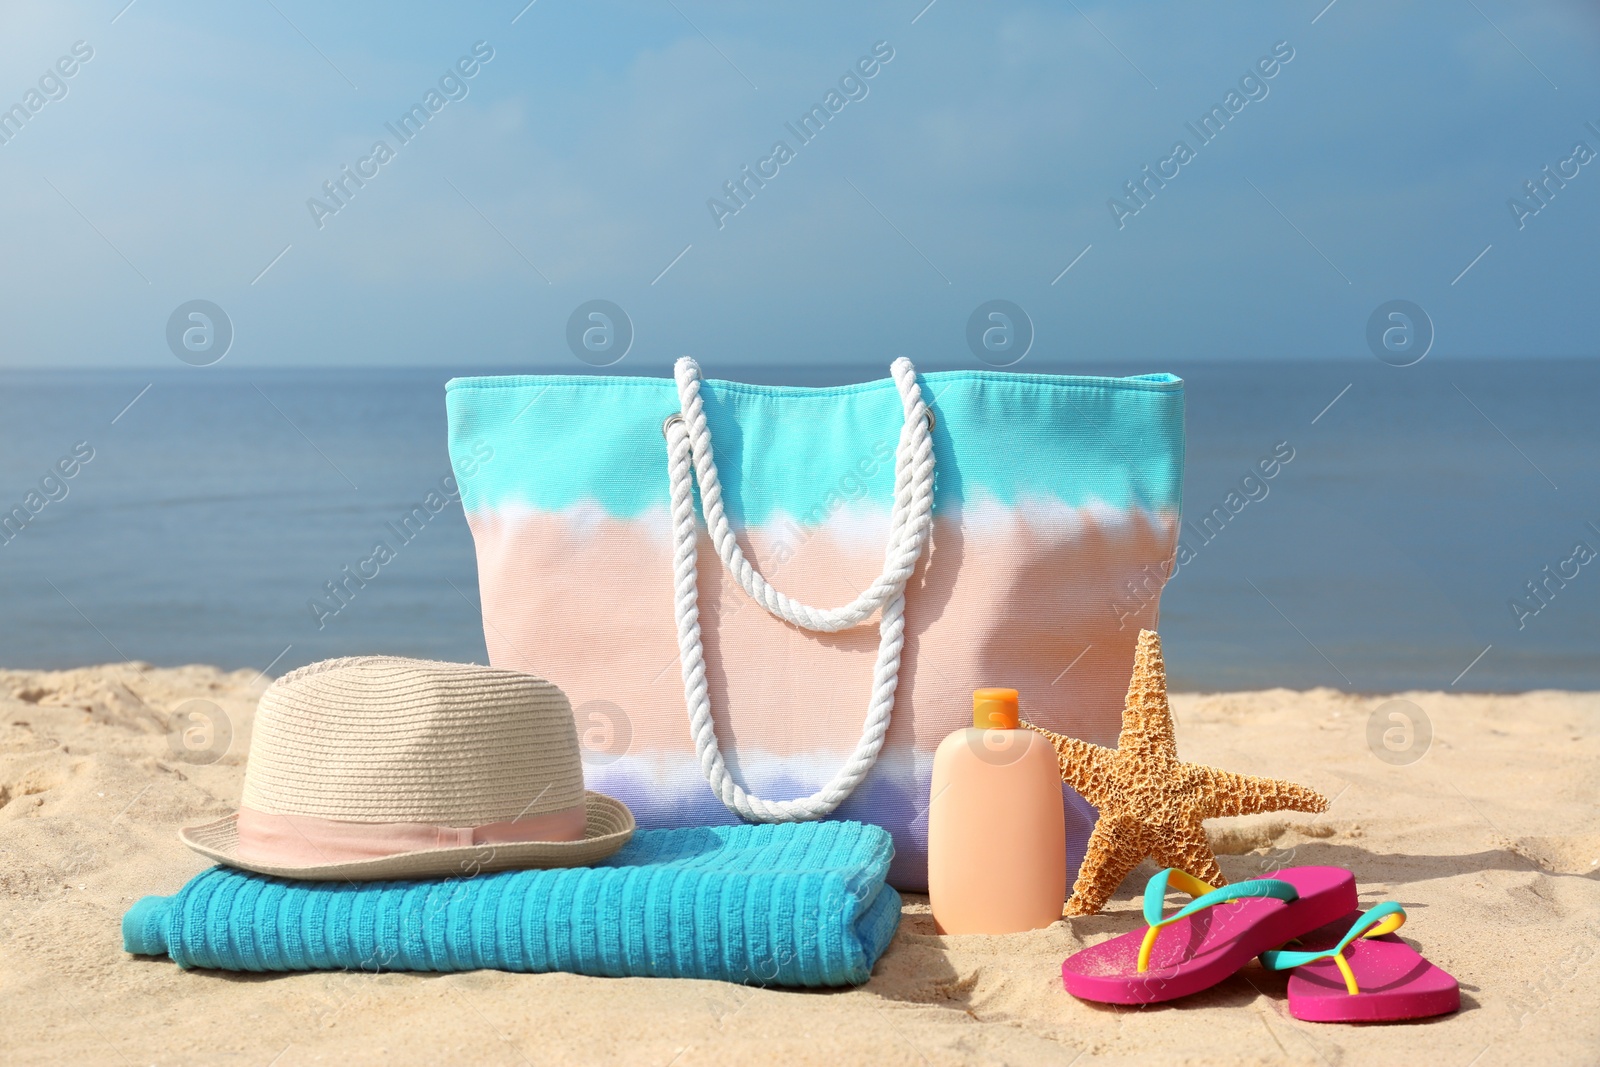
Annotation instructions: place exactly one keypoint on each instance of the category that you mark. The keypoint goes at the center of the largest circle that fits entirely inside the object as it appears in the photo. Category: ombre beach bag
(771, 604)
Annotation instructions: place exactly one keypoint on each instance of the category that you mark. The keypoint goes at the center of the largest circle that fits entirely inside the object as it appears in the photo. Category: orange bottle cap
(995, 709)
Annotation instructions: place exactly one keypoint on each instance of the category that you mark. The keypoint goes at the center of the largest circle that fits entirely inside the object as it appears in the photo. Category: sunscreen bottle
(997, 860)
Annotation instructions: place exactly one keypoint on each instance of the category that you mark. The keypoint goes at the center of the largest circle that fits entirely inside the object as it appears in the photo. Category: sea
(1435, 527)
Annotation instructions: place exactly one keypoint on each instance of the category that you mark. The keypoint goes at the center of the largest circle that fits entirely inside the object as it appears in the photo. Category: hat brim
(610, 825)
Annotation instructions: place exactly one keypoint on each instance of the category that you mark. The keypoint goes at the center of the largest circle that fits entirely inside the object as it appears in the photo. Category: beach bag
(771, 604)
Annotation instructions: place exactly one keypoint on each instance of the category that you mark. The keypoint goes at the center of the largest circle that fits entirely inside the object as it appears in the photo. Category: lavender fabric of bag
(800, 904)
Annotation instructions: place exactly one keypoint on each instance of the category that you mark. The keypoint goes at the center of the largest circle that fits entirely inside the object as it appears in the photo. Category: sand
(1491, 840)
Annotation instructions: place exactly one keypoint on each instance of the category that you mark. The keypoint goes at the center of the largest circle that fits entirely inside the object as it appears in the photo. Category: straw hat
(382, 767)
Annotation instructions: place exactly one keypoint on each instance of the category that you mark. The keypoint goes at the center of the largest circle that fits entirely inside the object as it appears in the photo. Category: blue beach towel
(802, 904)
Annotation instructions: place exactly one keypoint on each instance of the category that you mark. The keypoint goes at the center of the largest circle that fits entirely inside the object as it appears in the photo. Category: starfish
(1150, 803)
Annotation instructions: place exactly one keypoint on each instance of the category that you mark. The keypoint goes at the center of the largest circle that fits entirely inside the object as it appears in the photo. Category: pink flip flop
(1208, 939)
(1367, 975)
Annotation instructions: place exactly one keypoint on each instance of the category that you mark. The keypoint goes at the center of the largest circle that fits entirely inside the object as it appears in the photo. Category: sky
(985, 157)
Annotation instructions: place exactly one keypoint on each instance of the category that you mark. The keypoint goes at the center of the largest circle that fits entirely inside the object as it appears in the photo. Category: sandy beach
(1491, 840)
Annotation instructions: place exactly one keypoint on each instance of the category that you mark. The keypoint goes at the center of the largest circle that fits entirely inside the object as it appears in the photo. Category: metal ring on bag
(676, 416)
(932, 422)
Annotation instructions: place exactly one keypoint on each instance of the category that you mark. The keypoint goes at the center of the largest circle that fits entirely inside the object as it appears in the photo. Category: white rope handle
(690, 458)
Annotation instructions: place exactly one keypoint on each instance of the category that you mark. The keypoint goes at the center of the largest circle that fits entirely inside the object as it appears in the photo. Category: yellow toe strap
(1386, 918)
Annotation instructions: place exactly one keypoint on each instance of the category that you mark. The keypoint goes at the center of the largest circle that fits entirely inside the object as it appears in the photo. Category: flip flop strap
(1385, 918)
(1205, 896)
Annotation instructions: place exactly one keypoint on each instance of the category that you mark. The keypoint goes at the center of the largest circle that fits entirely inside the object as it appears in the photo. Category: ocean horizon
(1424, 528)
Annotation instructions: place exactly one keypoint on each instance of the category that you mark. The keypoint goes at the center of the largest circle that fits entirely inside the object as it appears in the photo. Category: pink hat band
(306, 840)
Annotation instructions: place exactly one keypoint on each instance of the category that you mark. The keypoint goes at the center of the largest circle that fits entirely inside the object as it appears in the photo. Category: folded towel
(800, 904)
